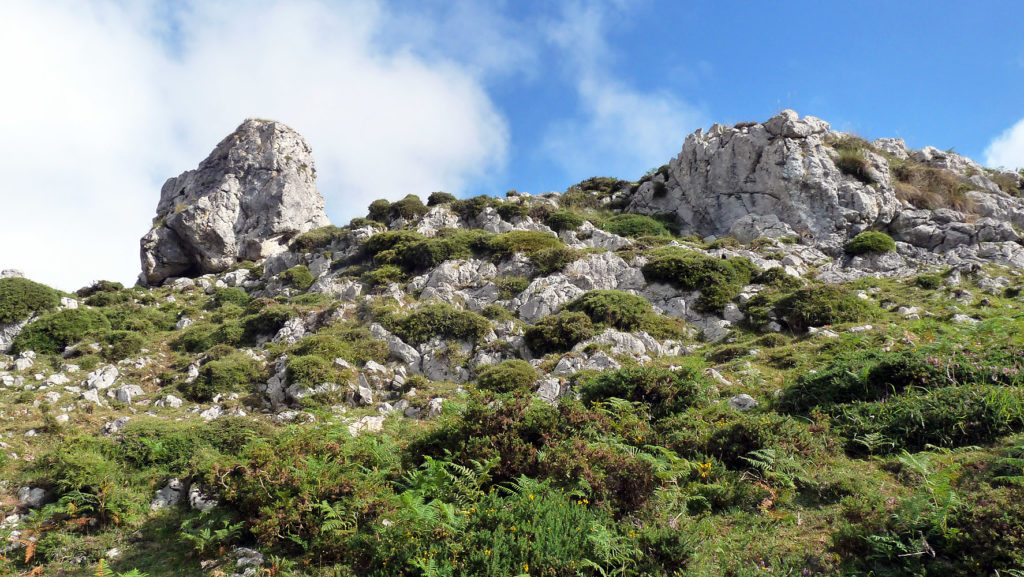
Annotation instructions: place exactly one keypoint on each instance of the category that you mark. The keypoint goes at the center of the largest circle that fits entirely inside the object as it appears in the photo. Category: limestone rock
(251, 195)
(169, 495)
(742, 402)
(782, 168)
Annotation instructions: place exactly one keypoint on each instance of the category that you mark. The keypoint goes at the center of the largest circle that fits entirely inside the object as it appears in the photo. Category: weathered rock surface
(778, 173)
(251, 195)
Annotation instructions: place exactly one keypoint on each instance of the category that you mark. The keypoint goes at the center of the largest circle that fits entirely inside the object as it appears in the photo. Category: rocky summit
(251, 195)
(788, 350)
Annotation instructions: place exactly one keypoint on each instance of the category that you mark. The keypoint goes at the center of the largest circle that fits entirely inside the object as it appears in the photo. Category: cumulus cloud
(103, 100)
(620, 130)
(1007, 149)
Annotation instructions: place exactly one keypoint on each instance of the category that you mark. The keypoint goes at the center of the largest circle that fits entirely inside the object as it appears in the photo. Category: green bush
(298, 276)
(634, 226)
(623, 311)
(527, 242)
(944, 417)
(498, 313)
(20, 298)
(235, 372)
(718, 280)
(439, 197)
(564, 220)
(666, 391)
(777, 278)
(379, 210)
(409, 208)
(318, 238)
(823, 305)
(54, 332)
(510, 287)
(383, 275)
(558, 333)
(551, 260)
(312, 371)
(229, 295)
(122, 344)
(437, 319)
(871, 241)
(99, 286)
(350, 342)
(512, 210)
(928, 281)
(514, 376)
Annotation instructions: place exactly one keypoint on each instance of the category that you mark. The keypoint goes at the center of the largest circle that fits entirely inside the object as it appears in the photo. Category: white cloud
(1007, 149)
(103, 101)
(621, 130)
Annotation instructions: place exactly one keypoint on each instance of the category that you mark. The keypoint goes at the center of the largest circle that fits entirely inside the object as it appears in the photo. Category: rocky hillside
(786, 350)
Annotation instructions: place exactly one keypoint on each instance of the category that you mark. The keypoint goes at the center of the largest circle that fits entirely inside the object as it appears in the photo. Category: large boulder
(255, 191)
(778, 176)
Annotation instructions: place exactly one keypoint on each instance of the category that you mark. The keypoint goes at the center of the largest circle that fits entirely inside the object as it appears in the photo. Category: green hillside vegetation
(895, 449)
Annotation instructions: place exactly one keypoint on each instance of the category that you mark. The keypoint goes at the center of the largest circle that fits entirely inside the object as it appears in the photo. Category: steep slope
(551, 384)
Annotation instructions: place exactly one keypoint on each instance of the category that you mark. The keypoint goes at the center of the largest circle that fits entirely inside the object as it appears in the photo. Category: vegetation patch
(514, 376)
(52, 333)
(298, 276)
(870, 242)
(21, 298)
(318, 238)
(559, 333)
(436, 320)
(635, 226)
(719, 280)
(824, 305)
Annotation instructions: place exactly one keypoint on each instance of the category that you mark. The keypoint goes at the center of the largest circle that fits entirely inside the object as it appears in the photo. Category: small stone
(742, 402)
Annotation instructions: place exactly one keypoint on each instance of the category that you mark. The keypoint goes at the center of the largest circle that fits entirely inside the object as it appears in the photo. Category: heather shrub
(318, 238)
(234, 372)
(439, 197)
(20, 298)
(560, 220)
(666, 391)
(558, 333)
(54, 332)
(718, 280)
(613, 308)
(437, 319)
(823, 305)
(298, 276)
(871, 242)
(634, 226)
(514, 376)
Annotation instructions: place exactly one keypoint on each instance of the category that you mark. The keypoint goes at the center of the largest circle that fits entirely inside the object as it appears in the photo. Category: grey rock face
(168, 496)
(742, 402)
(250, 196)
(32, 497)
(782, 168)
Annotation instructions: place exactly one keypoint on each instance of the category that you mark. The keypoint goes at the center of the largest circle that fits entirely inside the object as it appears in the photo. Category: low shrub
(623, 311)
(437, 198)
(312, 371)
(551, 260)
(21, 298)
(527, 242)
(634, 226)
(122, 344)
(558, 333)
(512, 210)
(944, 417)
(409, 208)
(298, 276)
(383, 275)
(718, 280)
(931, 188)
(870, 242)
(54, 332)
(437, 320)
(99, 286)
(379, 210)
(318, 238)
(928, 281)
(853, 159)
(514, 376)
(353, 343)
(664, 390)
(509, 287)
(229, 295)
(777, 278)
(234, 372)
(560, 220)
(823, 305)
(498, 313)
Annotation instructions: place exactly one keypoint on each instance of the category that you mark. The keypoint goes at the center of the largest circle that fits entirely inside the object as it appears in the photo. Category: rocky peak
(245, 201)
(783, 177)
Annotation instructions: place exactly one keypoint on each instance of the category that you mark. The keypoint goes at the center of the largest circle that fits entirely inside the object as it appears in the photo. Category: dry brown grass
(931, 188)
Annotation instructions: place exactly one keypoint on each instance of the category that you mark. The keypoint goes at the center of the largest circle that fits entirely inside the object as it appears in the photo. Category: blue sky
(105, 99)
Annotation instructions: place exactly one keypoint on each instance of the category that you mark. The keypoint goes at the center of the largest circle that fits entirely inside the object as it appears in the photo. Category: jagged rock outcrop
(775, 178)
(251, 195)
